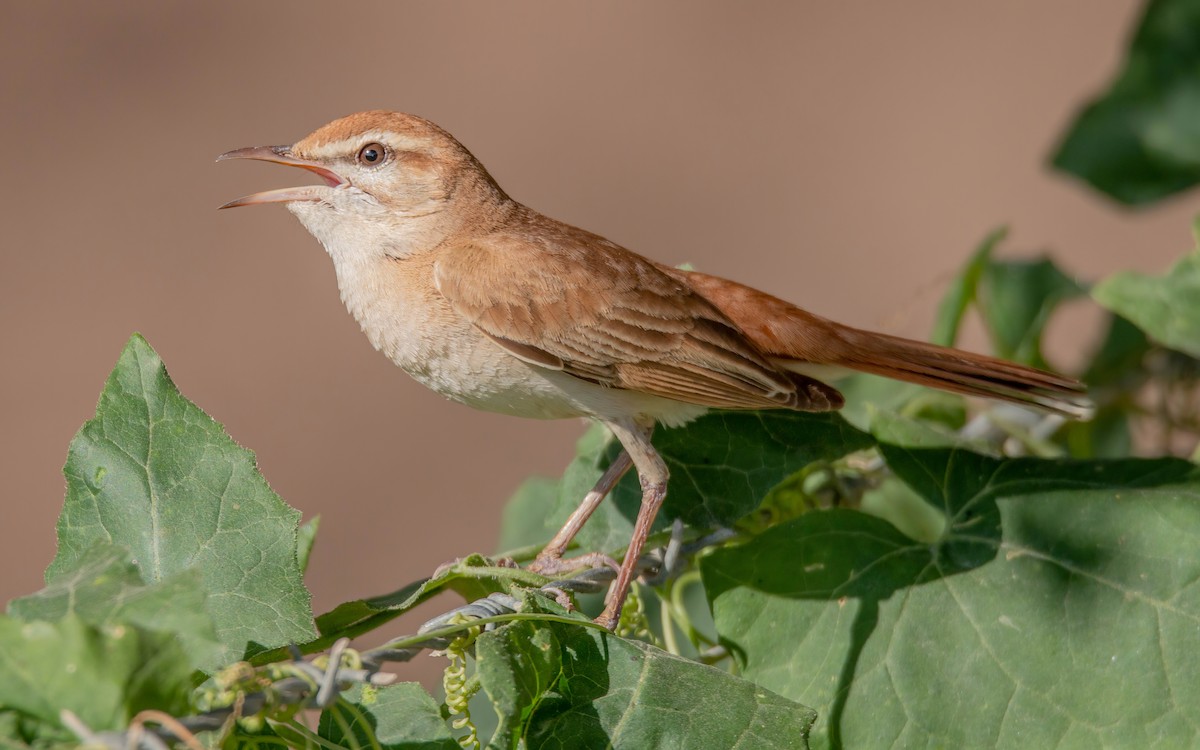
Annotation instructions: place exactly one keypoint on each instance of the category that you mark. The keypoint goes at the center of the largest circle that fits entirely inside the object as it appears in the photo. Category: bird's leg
(550, 560)
(652, 472)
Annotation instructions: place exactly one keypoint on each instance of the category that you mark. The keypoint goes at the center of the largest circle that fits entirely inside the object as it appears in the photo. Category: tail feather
(808, 344)
(963, 372)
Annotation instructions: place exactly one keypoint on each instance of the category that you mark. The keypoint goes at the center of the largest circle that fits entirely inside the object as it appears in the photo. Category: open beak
(282, 155)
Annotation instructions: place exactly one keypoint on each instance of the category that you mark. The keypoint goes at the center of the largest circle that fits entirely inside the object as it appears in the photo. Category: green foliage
(1166, 307)
(1048, 595)
(1019, 297)
(106, 590)
(306, 537)
(1140, 141)
(156, 475)
(916, 571)
(897, 571)
(525, 516)
(105, 675)
(1015, 299)
(932, 604)
(721, 467)
(560, 685)
(396, 717)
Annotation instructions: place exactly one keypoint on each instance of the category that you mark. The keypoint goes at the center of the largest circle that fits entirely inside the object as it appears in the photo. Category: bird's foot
(554, 566)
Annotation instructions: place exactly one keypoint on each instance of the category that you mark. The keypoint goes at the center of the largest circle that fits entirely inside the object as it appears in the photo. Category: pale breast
(399, 309)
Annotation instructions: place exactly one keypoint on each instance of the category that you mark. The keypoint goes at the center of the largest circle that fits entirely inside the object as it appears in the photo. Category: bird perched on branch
(496, 306)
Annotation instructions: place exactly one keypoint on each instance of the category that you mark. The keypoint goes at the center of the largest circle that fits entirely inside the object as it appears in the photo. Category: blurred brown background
(844, 155)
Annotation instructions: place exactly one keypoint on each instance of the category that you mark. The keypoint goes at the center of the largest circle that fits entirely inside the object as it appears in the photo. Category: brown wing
(563, 299)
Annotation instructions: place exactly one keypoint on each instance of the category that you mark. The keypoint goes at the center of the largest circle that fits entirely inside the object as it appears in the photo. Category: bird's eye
(372, 155)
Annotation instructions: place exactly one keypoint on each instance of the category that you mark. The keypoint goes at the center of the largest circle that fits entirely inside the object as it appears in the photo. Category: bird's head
(386, 175)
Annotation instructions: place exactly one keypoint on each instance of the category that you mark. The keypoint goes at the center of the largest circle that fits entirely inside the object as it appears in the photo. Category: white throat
(360, 226)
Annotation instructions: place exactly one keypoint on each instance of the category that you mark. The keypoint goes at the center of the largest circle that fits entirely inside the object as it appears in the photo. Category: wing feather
(568, 300)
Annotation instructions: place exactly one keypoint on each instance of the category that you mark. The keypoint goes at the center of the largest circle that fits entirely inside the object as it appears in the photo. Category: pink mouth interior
(331, 179)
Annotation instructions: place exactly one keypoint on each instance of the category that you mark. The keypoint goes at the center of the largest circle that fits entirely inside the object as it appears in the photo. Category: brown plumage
(614, 319)
(494, 305)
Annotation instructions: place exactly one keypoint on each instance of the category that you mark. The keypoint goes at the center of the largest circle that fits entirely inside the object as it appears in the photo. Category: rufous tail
(801, 342)
(963, 372)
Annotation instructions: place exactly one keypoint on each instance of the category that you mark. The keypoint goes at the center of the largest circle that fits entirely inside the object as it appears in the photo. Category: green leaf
(104, 675)
(1118, 359)
(895, 502)
(864, 393)
(1057, 587)
(353, 618)
(517, 665)
(105, 589)
(17, 730)
(603, 691)
(898, 429)
(1106, 435)
(154, 473)
(306, 537)
(472, 577)
(1140, 142)
(1016, 301)
(397, 717)
(1014, 297)
(524, 520)
(1116, 375)
(722, 465)
(1166, 307)
(962, 291)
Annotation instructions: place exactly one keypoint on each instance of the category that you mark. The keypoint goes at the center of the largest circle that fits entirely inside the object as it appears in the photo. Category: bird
(499, 307)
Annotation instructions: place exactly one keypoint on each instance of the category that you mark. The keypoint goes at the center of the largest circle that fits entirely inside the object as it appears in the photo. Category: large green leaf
(154, 473)
(398, 717)
(1140, 142)
(565, 686)
(103, 675)
(722, 465)
(1058, 609)
(105, 589)
(1166, 307)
